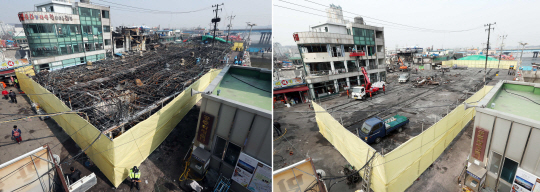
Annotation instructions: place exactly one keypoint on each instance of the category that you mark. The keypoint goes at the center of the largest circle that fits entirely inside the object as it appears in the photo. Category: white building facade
(326, 54)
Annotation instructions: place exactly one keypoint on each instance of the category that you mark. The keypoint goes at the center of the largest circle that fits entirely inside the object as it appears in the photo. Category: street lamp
(520, 57)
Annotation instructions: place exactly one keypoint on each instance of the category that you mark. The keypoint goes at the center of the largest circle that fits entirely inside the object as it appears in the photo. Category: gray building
(334, 52)
(62, 34)
(505, 149)
(234, 128)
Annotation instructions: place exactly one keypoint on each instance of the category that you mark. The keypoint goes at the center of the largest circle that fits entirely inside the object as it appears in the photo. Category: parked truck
(368, 89)
(374, 129)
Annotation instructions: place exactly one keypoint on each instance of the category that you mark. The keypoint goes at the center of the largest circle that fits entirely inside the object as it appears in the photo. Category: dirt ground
(423, 106)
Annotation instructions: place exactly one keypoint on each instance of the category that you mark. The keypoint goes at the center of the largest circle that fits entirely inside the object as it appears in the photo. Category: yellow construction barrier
(480, 64)
(397, 170)
(115, 157)
(237, 45)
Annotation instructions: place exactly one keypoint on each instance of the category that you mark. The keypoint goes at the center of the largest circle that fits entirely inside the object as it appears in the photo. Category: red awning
(6, 72)
(302, 88)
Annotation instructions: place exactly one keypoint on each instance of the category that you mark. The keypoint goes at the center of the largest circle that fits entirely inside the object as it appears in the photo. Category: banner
(8, 64)
(262, 179)
(243, 172)
(525, 182)
(287, 82)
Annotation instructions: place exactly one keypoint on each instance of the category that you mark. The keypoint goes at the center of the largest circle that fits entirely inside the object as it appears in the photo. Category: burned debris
(115, 95)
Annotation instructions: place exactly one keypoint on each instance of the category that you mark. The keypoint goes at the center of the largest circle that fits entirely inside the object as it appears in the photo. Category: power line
(160, 11)
(450, 31)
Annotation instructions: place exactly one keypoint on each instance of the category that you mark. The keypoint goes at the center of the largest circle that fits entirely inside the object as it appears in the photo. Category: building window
(107, 42)
(105, 14)
(106, 28)
(495, 163)
(509, 170)
(326, 29)
(231, 156)
(219, 147)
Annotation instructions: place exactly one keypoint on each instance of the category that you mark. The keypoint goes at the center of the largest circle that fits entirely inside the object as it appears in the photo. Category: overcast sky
(518, 19)
(255, 11)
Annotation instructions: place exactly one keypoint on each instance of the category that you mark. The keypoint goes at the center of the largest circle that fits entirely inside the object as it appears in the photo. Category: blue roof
(372, 121)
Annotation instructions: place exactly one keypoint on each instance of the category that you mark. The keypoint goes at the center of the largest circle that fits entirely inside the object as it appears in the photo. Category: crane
(369, 89)
(402, 65)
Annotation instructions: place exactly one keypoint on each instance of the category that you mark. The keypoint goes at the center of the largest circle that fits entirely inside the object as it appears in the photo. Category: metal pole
(500, 55)
(487, 50)
(520, 57)
(230, 24)
(215, 21)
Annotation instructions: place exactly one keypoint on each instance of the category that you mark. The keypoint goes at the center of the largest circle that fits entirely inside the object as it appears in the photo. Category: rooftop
(247, 85)
(517, 99)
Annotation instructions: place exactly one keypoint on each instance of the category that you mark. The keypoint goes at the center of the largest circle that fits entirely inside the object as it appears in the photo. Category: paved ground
(303, 135)
(161, 170)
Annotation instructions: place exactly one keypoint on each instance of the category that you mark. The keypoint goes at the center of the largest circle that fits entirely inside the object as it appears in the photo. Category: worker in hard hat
(135, 176)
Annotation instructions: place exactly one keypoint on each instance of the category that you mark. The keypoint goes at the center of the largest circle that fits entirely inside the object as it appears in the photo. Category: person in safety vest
(135, 175)
(16, 133)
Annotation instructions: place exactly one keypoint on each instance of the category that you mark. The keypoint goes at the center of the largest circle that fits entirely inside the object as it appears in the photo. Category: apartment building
(62, 34)
(334, 52)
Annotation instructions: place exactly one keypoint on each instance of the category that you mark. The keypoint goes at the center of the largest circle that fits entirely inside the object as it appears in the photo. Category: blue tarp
(119, 54)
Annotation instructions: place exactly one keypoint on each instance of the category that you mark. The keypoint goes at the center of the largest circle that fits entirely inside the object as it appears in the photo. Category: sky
(516, 19)
(254, 11)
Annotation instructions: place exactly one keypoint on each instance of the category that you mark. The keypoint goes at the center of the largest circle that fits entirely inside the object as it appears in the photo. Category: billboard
(525, 182)
(287, 83)
(252, 174)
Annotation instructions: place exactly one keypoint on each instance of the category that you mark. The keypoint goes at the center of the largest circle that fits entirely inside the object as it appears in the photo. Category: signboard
(43, 16)
(262, 179)
(288, 82)
(205, 128)
(479, 144)
(245, 167)
(4, 65)
(525, 182)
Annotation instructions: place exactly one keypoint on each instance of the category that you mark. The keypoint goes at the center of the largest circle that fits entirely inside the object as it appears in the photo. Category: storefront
(290, 91)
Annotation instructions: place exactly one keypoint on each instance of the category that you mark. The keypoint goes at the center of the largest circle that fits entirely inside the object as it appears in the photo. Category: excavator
(402, 67)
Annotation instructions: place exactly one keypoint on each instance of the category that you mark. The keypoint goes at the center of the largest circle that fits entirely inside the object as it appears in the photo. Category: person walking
(13, 96)
(16, 82)
(5, 94)
(74, 176)
(16, 133)
(135, 176)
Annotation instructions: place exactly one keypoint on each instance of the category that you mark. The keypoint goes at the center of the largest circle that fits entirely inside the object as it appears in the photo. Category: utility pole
(487, 48)
(230, 25)
(215, 21)
(520, 57)
(502, 44)
(249, 36)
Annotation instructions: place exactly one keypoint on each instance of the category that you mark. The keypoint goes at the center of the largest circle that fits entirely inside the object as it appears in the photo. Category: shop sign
(288, 82)
(205, 128)
(295, 36)
(11, 64)
(26, 16)
(479, 144)
(525, 182)
(252, 174)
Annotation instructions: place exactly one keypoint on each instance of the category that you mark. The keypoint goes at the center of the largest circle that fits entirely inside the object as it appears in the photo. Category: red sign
(10, 63)
(205, 128)
(284, 82)
(479, 144)
(295, 36)
(357, 54)
(21, 17)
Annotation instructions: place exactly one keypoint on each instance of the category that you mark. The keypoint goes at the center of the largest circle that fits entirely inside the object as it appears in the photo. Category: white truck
(359, 92)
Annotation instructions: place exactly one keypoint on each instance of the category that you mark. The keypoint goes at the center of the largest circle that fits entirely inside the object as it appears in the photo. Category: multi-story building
(334, 52)
(62, 34)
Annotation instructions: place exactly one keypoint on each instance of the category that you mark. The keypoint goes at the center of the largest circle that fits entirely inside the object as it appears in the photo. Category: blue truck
(374, 129)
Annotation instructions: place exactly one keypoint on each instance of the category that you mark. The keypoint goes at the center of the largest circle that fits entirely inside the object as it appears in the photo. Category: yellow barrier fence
(397, 170)
(480, 64)
(115, 157)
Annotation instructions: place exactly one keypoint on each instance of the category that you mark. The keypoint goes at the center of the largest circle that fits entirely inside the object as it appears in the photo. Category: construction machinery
(402, 66)
(368, 89)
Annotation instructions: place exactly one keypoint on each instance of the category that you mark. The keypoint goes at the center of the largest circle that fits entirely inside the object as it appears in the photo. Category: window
(74, 29)
(326, 29)
(219, 147)
(509, 170)
(495, 163)
(233, 151)
(106, 28)
(107, 42)
(105, 14)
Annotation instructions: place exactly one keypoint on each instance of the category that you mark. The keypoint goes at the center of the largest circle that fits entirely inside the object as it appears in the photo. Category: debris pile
(120, 93)
(421, 81)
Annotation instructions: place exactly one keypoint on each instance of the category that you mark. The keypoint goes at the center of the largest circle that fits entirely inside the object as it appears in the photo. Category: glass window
(105, 14)
(509, 170)
(74, 29)
(219, 147)
(85, 12)
(106, 28)
(231, 156)
(107, 42)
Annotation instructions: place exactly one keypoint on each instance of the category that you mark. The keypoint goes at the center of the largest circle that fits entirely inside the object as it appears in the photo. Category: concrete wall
(513, 137)
(324, 38)
(332, 28)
